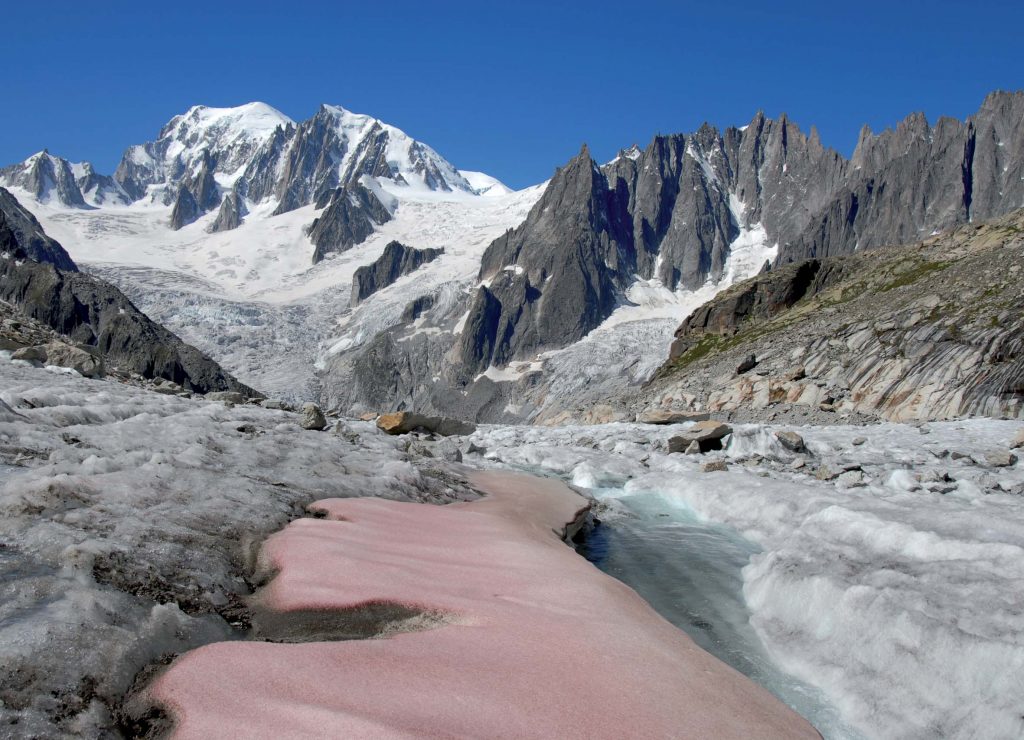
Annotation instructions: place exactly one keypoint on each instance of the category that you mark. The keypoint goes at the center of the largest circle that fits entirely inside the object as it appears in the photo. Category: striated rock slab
(496, 629)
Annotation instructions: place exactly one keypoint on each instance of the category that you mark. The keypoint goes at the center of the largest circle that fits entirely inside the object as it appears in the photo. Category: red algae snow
(528, 639)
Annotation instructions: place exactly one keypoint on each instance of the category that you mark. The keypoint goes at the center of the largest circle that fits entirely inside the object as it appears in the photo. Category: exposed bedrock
(352, 213)
(932, 331)
(396, 261)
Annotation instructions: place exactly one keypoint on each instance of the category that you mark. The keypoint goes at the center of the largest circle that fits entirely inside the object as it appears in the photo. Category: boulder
(403, 422)
(668, 416)
(858, 441)
(1018, 441)
(275, 404)
(715, 466)
(30, 354)
(1001, 459)
(796, 373)
(707, 434)
(312, 417)
(226, 396)
(851, 479)
(368, 416)
(84, 361)
(826, 473)
(749, 363)
(791, 441)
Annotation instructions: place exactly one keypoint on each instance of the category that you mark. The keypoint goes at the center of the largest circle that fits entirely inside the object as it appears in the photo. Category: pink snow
(536, 641)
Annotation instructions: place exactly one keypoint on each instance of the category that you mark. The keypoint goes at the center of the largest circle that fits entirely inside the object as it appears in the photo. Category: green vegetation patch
(915, 273)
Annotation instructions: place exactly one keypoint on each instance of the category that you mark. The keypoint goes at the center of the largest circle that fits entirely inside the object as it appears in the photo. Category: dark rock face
(396, 261)
(907, 183)
(556, 276)
(46, 177)
(758, 298)
(28, 236)
(186, 209)
(672, 211)
(229, 217)
(351, 215)
(417, 307)
(91, 312)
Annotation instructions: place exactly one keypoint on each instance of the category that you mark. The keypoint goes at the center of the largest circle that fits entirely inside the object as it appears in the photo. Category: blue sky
(509, 88)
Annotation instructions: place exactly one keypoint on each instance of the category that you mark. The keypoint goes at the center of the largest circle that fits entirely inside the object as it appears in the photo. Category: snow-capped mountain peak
(47, 178)
(221, 139)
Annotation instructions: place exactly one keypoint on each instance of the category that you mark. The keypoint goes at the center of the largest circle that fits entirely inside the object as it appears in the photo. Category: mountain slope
(47, 286)
(929, 331)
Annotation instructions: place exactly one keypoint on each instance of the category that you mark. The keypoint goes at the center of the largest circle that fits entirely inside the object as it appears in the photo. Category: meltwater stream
(690, 572)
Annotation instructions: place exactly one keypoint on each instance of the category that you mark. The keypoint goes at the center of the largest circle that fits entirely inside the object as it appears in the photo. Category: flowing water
(690, 571)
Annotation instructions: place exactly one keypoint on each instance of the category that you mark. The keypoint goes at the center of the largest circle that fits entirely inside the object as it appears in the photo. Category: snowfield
(128, 523)
(898, 596)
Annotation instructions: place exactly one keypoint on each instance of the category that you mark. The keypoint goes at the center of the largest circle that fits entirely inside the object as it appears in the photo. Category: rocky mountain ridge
(226, 158)
(673, 212)
(38, 277)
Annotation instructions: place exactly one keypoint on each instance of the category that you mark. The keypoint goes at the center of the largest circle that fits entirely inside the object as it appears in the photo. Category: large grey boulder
(85, 361)
(791, 441)
(312, 417)
(226, 396)
(669, 416)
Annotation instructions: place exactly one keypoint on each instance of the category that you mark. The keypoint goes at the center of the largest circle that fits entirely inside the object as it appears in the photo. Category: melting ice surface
(690, 572)
(891, 595)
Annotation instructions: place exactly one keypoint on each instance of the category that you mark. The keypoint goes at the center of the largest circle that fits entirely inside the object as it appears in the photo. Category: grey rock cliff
(673, 211)
(918, 179)
(397, 260)
(929, 331)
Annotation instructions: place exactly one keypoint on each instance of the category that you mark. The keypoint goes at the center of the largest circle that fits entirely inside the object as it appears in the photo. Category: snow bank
(528, 639)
